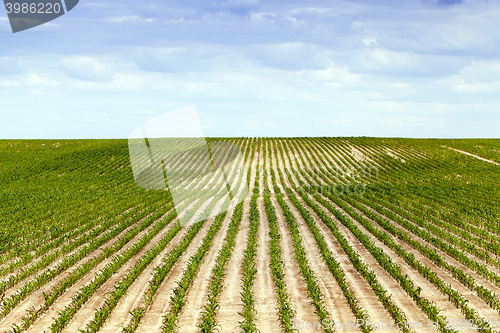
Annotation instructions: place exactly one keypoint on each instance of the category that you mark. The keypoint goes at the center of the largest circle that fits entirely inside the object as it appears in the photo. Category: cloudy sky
(408, 68)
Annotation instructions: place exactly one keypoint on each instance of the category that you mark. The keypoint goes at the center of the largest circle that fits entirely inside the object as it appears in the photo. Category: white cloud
(477, 87)
(383, 60)
(119, 19)
(10, 83)
(332, 74)
(253, 123)
(401, 85)
(372, 41)
(119, 83)
(478, 77)
(130, 19)
(239, 7)
(125, 82)
(35, 92)
(87, 68)
(181, 59)
(481, 71)
(30, 81)
(290, 56)
(34, 80)
(281, 20)
(10, 65)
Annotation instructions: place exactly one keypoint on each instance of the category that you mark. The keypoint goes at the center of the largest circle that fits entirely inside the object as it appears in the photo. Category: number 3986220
(33, 8)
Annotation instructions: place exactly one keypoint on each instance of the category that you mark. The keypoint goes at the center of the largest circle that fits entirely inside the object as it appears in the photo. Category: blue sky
(408, 68)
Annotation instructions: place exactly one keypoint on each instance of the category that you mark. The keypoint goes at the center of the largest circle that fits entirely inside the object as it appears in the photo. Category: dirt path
(197, 297)
(400, 297)
(121, 314)
(474, 301)
(229, 299)
(335, 302)
(86, 313)
(153, 318)
(295, 284)
(265, 303)
(361, 289)
(198, 293)
(475, 156)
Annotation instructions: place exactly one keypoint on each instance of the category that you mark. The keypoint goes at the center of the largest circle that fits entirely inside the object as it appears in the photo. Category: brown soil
(37, 299)
(361, 289)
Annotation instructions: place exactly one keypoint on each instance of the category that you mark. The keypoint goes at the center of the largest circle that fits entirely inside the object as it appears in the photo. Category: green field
(333, 229)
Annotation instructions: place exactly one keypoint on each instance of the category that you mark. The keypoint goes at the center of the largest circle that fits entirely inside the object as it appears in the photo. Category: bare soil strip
(37, 299)
(296, 286)
(9, 292)
(86, 313)
(326, 155)
(230, 303)
(475, 302)
(335, 302)
(198, 293)
(153, 318)
(293, 279)
(415, 237)
(400, 297)
(265, 303)
(364, 294)
(197, 297)
(408, 306)
(46, 319)
(121, 314)
(429, 291)
(266, 307)
(483, 309)
(475, 156)
(229, 299)
(325, 160)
